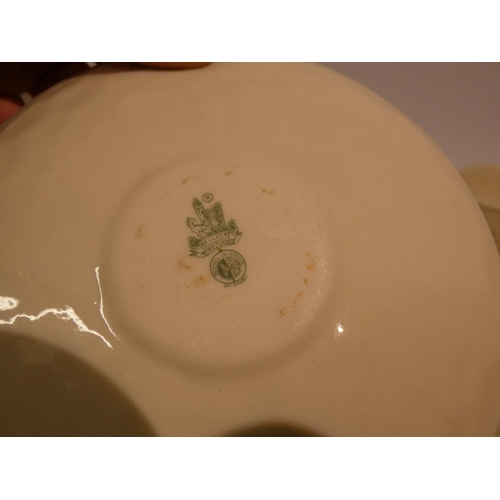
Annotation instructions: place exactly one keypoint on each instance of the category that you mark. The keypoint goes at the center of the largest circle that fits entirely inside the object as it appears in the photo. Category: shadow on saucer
(273, 429)
(45, 391)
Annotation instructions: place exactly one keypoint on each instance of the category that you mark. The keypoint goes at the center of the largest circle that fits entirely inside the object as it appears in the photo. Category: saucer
(241, 247)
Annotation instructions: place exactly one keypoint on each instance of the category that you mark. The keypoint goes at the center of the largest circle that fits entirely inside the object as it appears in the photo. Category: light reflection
(101, 306)
(8, 303)
(339, 330)
(67, 314)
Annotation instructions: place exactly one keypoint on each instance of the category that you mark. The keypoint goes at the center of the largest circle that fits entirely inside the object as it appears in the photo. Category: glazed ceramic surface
(246, 246)
(484, 182)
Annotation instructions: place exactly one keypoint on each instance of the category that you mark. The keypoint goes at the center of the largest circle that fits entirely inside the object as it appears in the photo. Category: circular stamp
(228, 267)
(207, 197)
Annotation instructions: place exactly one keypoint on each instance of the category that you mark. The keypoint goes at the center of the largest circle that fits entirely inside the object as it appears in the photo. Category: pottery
(484, 183)
(237, 250)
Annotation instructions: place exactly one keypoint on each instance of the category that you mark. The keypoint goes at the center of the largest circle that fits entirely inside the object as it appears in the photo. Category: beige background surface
(457, 104)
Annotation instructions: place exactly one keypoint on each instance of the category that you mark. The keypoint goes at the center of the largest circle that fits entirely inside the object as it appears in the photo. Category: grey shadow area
(274, 429)
(45, 391)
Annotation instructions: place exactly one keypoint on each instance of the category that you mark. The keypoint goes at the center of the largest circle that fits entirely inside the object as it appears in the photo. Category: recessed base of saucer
(218, 262)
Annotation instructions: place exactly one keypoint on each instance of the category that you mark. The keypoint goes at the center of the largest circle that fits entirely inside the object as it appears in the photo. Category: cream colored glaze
(484, 182)
(400, 333)
(169, 300)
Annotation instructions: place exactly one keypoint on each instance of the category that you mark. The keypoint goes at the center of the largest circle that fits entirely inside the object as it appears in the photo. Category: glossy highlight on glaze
(66, 314)
(101, 303)
(8, 303)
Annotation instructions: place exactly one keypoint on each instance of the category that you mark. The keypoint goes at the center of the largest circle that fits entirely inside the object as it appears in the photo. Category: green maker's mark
(212, 235)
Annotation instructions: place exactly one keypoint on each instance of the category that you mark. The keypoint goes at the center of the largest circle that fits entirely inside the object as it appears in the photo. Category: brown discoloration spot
(271, 192)
(138, 233)
(187, 179)
(311, 265)
(300, 294)
(228, 173)
(305, 281)
(200, 280)
(263, 190)
(282, 312)
(184, 265)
